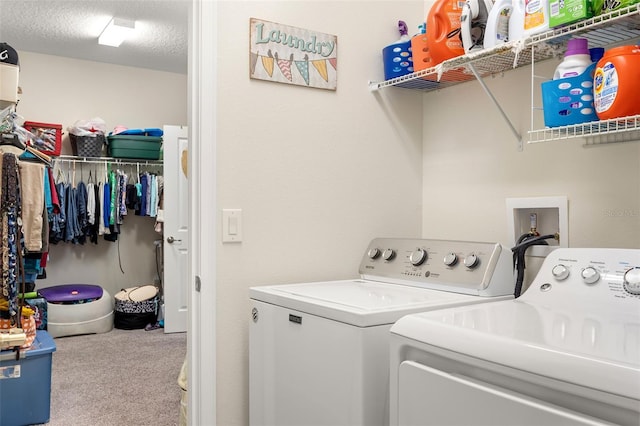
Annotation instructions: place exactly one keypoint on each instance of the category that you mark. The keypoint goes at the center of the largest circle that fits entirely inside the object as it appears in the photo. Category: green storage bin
(132, 146)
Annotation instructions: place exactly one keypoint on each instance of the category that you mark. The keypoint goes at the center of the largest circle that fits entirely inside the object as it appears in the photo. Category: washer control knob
(373, 253)
(631, 280)
(590, 275)
(388, 254)
(560, 272)
(471, 261)
(418, 257)
(451, 259)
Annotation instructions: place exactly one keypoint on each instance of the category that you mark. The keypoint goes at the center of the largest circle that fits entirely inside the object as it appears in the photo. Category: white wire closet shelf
(106, 160)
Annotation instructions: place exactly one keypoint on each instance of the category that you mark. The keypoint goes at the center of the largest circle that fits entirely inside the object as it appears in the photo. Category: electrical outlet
(546, 215)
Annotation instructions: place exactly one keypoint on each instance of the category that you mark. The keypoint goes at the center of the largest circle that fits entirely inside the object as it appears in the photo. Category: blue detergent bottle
(397, 57)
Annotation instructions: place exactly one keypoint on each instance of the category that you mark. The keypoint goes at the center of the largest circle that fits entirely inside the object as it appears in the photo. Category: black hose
(524, 242)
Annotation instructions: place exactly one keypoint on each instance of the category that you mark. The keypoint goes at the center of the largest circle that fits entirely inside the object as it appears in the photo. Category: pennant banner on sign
(291, 55)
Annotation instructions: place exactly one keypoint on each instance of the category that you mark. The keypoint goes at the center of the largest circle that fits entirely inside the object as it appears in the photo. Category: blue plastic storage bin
(397, 59)
(569, 101)
(25, 384)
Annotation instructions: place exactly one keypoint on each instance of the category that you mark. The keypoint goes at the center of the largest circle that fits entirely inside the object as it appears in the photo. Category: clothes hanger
(12, 139)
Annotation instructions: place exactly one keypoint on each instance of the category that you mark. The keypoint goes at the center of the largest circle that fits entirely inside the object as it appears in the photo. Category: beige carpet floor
(124, 377)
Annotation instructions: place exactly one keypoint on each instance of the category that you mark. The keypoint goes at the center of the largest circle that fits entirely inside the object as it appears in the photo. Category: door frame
(201, 333)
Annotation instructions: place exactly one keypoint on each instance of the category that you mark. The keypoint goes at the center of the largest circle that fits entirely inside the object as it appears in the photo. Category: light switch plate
(231, 225)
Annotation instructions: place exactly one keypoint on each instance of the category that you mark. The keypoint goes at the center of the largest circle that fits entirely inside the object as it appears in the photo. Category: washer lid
(599, 349)
(359, 302)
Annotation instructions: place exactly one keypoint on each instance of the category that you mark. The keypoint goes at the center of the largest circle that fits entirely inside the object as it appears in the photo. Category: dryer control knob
(632, 280)
(590, 275)
(471, 261)
(373, 253)
(451, 259)
(418, 257)
(560, 272)
(388, 254)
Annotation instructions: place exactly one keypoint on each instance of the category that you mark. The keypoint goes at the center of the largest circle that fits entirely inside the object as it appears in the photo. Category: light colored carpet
(124, 377)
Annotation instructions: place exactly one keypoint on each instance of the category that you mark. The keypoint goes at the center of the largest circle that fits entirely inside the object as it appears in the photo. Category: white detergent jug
(528, 17)
(497, 30)
(576, 59)
(516, 20)
(473, 23)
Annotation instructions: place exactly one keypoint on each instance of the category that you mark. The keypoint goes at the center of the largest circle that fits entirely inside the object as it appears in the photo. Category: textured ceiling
(71, 29)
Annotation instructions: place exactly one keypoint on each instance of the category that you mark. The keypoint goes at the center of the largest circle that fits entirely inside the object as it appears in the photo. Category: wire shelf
(605, 30)
(608, 30)
(596, 132)
(106, 160)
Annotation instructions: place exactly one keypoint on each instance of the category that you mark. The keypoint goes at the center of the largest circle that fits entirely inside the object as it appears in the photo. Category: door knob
(172, 240)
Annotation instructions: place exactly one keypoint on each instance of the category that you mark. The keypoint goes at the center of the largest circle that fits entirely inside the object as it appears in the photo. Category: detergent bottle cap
(577, 46)
(404, 31)
(596, 53)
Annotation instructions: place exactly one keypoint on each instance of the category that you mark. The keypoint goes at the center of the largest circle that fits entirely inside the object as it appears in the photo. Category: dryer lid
(599, 349)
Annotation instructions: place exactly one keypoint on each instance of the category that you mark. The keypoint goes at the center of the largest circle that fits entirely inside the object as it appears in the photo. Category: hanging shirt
(81, 208)
(72, 229)
(59, 220)
(91, 204)
(106, 206)
(94, 229)
(113, 186)
(54, 192)
(153, 200)
(149, 185)
(143, 196)
(32, 203)
(122, 194)
(47, 192)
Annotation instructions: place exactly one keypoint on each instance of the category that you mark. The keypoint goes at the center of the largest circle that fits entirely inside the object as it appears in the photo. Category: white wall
(471, 165)
(62, 90)
(318, 174)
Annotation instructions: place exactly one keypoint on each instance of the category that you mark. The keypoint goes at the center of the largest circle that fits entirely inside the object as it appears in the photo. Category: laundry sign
(292, 55)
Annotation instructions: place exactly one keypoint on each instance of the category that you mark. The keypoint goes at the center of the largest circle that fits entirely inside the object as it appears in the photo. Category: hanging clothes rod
(103, 160)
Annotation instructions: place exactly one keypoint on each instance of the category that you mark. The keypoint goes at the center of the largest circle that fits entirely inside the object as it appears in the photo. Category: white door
(176, 228)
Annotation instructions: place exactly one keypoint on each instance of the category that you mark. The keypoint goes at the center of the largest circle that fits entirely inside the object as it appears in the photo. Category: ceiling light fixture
(116, 32)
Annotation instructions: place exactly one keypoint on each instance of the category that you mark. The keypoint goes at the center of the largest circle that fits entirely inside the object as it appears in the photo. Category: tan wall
(317, 173)
(471, 165)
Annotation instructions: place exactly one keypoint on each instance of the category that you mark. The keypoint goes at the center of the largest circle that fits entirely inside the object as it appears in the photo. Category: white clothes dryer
(567, 352)
(319, 352)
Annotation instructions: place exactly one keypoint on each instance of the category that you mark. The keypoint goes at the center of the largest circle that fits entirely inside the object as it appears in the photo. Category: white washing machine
(319, 352)
(567, 352)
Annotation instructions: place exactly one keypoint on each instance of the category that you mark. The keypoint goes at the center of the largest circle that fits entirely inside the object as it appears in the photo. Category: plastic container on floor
(78, 309)
(25, 384)
(135, 307)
